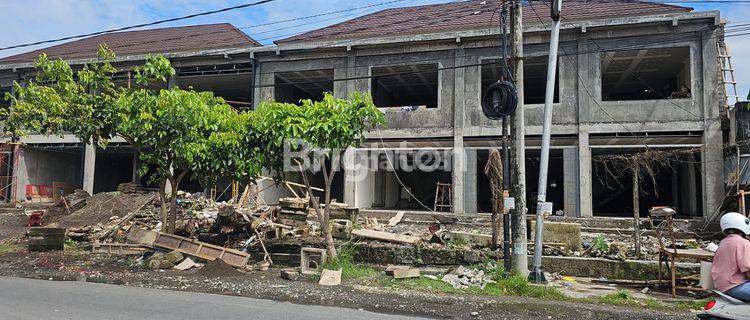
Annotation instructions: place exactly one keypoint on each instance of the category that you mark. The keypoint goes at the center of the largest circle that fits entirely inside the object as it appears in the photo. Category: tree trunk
(328, 178)
(321, 214)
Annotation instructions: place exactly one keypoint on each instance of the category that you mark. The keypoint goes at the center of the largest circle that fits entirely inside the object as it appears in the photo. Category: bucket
(46, 239)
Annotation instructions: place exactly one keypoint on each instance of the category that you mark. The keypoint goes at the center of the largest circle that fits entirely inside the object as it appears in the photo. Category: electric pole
(518, 162)
(543, 207)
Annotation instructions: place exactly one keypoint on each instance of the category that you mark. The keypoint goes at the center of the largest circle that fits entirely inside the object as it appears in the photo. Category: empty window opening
(233, 82)
(412, 86)
(677, 185)
(534, 78)
(293, 86)
(646, 74)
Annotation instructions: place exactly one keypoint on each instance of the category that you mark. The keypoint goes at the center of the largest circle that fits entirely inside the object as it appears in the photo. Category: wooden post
(636, 214)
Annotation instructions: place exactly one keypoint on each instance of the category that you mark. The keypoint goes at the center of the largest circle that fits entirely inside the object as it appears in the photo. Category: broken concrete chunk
(290, 274)
(174, 257)
(404, 273)
(330, 277)
(186, 264)
(341, 229)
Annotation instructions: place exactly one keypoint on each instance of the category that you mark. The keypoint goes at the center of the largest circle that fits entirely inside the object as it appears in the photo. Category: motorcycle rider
(731, 263)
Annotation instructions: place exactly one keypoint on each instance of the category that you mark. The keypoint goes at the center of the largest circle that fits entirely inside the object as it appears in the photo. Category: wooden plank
(396, 219)
(385, 236)
(119, 248)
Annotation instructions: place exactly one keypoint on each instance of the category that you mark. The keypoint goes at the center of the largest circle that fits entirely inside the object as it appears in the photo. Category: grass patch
(9, 247)
(345, 261)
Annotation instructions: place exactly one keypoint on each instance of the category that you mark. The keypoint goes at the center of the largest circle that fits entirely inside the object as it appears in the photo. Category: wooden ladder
(443, 197)
(727, 74)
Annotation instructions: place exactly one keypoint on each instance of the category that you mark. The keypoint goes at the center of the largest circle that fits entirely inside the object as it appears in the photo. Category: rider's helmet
(735, 220)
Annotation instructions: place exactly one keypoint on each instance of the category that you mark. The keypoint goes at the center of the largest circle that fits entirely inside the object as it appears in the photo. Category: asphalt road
(28, 299)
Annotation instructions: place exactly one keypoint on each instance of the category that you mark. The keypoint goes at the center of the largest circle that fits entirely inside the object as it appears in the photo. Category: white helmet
(735, 220)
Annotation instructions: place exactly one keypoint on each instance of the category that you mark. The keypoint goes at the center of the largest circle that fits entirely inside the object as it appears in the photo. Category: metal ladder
(727, 74)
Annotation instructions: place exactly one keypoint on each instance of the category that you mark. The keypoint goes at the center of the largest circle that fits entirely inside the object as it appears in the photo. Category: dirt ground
(78, 265)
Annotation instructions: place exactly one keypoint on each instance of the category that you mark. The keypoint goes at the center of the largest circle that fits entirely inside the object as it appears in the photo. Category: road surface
(28, 299)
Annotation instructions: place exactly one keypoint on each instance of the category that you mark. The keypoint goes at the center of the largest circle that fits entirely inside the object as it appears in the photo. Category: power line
(205, 13)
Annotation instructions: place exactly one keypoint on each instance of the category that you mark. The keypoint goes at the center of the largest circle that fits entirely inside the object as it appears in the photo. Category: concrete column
(585, 206)
(350, 169)
(136, 165)
(712, 166)
(459, 156)
(89, 167)
(570, 184)
(21, 174)
(470, 181)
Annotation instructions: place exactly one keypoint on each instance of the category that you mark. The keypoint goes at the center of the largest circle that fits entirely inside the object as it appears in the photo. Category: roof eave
(142, 57)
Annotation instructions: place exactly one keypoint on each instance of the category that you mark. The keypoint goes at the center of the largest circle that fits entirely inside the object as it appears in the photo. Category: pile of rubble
(462, 278)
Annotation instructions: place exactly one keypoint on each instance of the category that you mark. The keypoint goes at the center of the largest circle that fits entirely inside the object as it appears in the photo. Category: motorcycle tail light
(709, 305)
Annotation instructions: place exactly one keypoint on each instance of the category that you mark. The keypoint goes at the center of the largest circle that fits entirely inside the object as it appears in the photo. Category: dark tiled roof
(473, 15)
(164, 40)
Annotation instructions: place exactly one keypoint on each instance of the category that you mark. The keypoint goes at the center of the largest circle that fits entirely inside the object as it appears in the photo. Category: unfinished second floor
(651, 70)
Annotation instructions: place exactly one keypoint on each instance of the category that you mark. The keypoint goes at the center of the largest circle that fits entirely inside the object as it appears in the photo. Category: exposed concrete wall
(470, 181)
(44, 167)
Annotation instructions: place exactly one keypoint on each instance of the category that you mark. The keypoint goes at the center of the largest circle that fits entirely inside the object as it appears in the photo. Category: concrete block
(311, 259)
(341, 228)
(561, 232)
(404, 273)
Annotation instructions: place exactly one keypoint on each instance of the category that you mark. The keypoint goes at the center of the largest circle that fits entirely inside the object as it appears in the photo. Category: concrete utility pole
(519, 257)
(542, 206)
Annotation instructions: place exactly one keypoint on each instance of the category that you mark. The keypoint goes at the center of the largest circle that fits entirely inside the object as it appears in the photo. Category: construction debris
(462, 278)
(396, 219)
(187, 246)
(385, 236)
(402, 272)
(185, 265)
(290, 274)
(311, 259)
(330, 277)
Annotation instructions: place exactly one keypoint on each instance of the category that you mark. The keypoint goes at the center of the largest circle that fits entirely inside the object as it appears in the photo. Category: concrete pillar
(712, 165)
(21, 175)
(136, 165)
(459, 156)
(350, 169)
(89, 167)
(585, 206)
(570, 184)
(470, 181)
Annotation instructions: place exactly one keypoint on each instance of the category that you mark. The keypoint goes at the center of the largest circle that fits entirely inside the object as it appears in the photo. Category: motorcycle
(725, 307)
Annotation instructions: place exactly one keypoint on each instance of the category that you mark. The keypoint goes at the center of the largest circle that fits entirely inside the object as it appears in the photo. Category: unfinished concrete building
(632, 76)
(202, 61)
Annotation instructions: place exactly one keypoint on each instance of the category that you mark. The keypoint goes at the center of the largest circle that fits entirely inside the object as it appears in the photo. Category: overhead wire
(153, 23)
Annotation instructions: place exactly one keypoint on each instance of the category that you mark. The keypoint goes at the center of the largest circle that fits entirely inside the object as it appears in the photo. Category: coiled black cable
(500, 100)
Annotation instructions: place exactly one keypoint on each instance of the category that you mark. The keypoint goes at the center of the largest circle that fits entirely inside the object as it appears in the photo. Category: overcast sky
(34, 20)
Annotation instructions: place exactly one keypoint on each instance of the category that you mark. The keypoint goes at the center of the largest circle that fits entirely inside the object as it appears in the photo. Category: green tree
(174, 131)
(331, 126)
